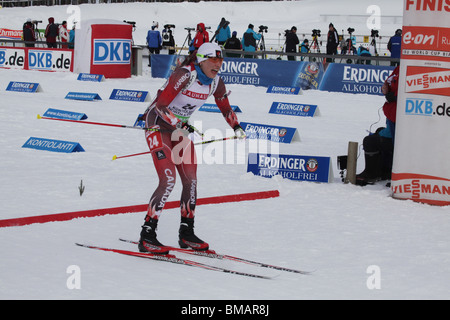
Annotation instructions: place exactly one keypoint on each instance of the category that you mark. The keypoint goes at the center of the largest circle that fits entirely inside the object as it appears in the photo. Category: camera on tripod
(36, 21)
(263, 29)
(133, 23)
(374, 33)
(316, 33)
(168, 26)
(189, 29)
(350, 30)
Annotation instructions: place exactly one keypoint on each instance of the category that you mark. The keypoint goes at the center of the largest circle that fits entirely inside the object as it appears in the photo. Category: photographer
(28, 34)
(249, 40)
(200, 38)
(332, 41)
(233, 43)
(154, 42)
(291, 42)
(51, 32)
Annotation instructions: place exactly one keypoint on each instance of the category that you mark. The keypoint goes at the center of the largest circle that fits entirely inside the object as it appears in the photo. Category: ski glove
(239, 132)
(185, 126)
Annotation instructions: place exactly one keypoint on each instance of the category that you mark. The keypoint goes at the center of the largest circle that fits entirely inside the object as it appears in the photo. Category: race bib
(153, 138)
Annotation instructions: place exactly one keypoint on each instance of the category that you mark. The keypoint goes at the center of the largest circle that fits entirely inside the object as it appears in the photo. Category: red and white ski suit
(171, 150)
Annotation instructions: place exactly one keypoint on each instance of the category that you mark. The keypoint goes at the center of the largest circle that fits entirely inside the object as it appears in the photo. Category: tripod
(315, 43)
(188, 39)
(262, 45)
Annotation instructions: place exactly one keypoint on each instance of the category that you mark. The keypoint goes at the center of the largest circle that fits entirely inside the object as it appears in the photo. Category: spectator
(64, 34)
(249, 40)
(364, 52)
(292, 42)
(394, 46)
(304, 48)
(332, 41)
(349, 49)
(28, 34)
(233, 43)
(223, 33)
(201, 36)
(51, 32)
(72, 38)
(154, 42)
(379, 147)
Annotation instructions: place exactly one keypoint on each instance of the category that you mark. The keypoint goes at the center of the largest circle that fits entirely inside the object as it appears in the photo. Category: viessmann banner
(336, 77)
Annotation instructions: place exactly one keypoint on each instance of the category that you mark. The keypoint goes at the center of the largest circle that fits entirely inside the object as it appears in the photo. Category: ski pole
(114, 125)
(197, 143)
(95, 123)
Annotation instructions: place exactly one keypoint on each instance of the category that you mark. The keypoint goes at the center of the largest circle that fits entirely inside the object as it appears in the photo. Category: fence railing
(29, 3)
(274, 55)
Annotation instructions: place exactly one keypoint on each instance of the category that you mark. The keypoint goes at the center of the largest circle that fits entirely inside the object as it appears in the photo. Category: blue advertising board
(292, 167)
(62, 114)
(293, 109)
(90, 77)
(22, 86)
(355, 78)
(84, 96)
(212, 107)
(336, 77)
(283, 90)
(269, 132)
(53, 145)
(128, 95)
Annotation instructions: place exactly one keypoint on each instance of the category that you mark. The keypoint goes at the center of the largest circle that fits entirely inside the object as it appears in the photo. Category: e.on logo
(420, 38)
(112, 51)
(426, 38)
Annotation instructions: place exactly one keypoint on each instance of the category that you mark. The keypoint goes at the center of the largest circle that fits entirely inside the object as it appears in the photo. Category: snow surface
(342, 232)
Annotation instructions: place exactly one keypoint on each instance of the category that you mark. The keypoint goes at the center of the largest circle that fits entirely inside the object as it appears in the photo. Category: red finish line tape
(130, 209)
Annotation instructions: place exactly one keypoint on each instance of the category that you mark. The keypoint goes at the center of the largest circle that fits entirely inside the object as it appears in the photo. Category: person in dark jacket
(292, 42)
(249, 40)
(28, 34)
(332, 40)
(379, 147)
(233, 43)
(394, 46)
(51, 32)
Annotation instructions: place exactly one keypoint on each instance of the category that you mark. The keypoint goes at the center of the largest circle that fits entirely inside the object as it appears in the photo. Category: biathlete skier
(167, 119)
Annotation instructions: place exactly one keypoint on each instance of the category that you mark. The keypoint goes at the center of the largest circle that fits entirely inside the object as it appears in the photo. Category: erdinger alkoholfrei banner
(336, 77)
(421, 169)
(104, 47)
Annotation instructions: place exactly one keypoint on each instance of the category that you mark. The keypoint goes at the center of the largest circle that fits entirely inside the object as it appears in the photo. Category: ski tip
(114, 157)
(39, 116)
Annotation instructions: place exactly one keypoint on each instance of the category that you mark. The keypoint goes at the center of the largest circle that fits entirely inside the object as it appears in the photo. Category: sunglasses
(213, 59)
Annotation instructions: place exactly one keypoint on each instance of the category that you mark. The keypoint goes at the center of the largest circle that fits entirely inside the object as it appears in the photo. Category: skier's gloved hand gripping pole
(197, 143)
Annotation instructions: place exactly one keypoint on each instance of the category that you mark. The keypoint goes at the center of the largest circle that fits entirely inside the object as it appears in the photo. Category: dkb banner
(352, 78)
